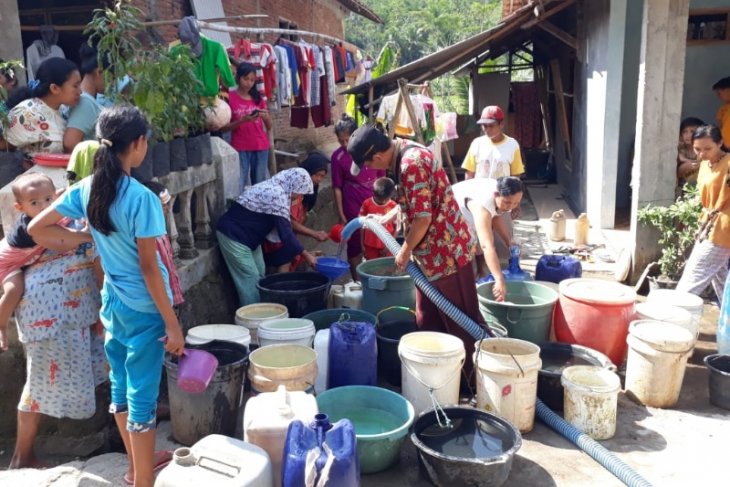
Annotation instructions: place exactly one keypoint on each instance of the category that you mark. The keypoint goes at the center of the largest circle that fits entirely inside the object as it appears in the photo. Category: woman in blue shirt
(82, 117)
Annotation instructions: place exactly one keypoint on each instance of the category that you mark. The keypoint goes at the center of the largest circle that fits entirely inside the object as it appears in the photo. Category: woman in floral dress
(63, 343)
(35, 121)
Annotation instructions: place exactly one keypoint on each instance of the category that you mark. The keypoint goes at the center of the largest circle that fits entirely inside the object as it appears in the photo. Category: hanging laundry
(329, 67)
(262, 56)
(42, 49)
(425, 112)
(283, 77)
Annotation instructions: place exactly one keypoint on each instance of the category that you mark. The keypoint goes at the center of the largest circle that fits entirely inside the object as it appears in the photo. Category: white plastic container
(348, 296)
(430, 359)
(267, 417)
(675, 315)
(590, 399)
(507, 371)
(671, 297)
(252, 315)
(657, 359)
(218, 460)
(321, 346)
(200, 335)
(297, 331)
(294, 366)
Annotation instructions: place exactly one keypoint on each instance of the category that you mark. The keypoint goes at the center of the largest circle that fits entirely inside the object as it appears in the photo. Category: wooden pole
(403, 88)
(204, 24)
(371, 92)
(150, 23)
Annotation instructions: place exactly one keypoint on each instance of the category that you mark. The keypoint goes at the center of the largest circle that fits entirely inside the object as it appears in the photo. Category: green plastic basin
(526, 313)
(381, 419)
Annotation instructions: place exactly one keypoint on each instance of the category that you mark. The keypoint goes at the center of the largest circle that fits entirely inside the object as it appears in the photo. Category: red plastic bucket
(595, 314)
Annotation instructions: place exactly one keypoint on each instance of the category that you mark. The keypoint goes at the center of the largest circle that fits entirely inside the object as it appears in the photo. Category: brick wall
(322, 16)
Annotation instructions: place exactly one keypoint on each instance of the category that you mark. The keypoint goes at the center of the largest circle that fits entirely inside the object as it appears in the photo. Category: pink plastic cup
(195, 370)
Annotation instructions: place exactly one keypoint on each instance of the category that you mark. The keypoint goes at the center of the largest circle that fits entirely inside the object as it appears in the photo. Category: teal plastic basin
(381, 419)
(382, 287)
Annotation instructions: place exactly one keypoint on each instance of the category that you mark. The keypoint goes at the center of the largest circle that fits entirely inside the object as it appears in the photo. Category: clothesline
(204, 24)
(149, 23)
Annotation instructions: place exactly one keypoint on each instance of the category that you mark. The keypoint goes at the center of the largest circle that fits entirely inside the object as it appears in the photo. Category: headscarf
(273, 197)
(190, 35)
(314, 163)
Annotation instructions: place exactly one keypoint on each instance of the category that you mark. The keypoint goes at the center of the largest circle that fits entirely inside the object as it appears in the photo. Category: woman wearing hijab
(275, 255)
(262, 211)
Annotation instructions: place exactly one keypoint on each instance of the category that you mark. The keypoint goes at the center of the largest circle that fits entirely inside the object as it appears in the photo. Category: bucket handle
(511, 321)
(402, 308)
(377, 283)
(415, 375)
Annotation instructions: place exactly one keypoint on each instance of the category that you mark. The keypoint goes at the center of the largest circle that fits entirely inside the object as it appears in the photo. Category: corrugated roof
(456, 55)
(360, 9)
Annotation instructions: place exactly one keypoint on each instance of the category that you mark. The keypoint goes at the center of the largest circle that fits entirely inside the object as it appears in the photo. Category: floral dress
(36, 127)
(64, 348)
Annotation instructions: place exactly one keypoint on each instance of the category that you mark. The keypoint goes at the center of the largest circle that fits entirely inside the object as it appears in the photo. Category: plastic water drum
(556, 268)
(596, 314)
(657, 359)
(218, 460)
(383, 287)
(430, 360)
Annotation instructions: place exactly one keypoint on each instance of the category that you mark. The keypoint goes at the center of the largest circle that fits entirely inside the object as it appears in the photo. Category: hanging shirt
(211, 63)
(329, 68)
(283, 77)
(251, 135)
(262, 57)
(35, 55)
(487, 159)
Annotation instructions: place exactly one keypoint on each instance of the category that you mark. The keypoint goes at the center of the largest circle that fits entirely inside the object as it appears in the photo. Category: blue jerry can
(321, 453)
(352, 355)
(555, 268)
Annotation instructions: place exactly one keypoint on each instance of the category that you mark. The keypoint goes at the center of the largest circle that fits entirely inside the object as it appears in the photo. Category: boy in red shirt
(379, 204)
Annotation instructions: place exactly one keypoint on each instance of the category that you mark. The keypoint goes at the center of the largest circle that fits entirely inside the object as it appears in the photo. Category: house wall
(704, 64)
(321, 16)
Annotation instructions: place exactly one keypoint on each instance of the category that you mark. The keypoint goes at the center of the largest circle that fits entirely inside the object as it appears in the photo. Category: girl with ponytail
(36, 124)
(125, 219)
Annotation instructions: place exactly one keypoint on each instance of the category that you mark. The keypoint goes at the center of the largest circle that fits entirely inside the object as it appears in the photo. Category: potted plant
(677, 224)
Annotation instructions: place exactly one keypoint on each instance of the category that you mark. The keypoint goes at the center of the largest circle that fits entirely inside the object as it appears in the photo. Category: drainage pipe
(590, 446)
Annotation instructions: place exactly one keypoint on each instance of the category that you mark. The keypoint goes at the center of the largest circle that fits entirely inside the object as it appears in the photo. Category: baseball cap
(491, 114)
(364, 143)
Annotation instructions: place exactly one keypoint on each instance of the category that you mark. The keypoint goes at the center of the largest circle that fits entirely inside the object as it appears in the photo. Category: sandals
(162, 460)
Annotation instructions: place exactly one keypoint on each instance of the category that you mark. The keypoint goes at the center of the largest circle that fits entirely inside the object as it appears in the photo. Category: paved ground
(683, 446)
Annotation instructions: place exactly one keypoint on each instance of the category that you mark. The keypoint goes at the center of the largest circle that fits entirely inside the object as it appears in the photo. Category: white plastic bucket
(321, 346)
(671, 297)
(657, 359)
(200, 335)
(430, 359)
(591, 399)
(253, 315)
(675, 315)
(298, 331)
(294, 366)
(507, 379)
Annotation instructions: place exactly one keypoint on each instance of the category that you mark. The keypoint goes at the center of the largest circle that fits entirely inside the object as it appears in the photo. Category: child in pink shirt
(164, 248)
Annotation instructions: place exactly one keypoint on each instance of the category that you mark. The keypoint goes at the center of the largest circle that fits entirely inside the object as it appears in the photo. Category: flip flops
(162, 459)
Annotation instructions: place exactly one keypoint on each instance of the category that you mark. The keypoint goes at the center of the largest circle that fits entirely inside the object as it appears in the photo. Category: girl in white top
(480, 201)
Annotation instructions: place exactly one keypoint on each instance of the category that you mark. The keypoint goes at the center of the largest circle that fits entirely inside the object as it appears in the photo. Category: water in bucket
(469, 437)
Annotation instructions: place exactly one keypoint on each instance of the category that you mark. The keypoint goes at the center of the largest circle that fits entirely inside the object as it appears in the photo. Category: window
(285, 24)
(708, 26)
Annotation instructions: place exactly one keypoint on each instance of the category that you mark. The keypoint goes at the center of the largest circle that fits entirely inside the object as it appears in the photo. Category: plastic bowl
(51, 159)
(332, 267)
(381, 419)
